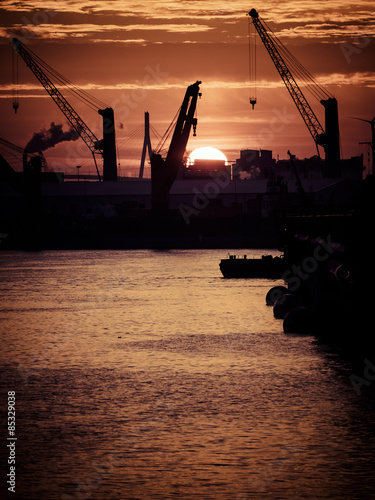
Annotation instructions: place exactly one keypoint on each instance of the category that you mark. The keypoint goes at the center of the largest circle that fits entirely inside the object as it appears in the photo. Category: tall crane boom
(164, 171)
(184, 123)
(106, 146)
(312, 122)
(328, 138)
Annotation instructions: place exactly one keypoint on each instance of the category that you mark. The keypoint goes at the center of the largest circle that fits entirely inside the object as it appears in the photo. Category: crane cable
(15, 89)
(129, 146)
(252, 64)
(315, 89)
(167, 133)
(80, 94)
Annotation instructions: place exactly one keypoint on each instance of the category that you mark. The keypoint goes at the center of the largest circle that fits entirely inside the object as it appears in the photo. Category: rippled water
(146, 375)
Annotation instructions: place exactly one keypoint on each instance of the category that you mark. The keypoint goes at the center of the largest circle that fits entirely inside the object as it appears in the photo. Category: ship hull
(267, 267)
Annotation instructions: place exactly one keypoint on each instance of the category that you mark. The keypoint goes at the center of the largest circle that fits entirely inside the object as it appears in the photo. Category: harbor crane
(372, 143)
(329, 138)
(164, 171)
(106, 147)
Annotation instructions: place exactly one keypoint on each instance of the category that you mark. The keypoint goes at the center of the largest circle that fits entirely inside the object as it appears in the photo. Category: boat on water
(267, 266)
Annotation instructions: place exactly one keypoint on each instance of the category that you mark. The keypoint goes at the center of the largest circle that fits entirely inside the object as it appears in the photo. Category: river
(147, 375)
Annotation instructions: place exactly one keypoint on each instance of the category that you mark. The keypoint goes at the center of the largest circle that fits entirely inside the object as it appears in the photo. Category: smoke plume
(46, 139)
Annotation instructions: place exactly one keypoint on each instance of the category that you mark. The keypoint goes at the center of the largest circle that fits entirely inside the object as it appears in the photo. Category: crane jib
(272, 45)
(106, 146)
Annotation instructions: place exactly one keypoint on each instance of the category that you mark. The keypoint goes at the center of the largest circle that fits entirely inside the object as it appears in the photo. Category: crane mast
(164, 171)
(106, 146)
(329, 138)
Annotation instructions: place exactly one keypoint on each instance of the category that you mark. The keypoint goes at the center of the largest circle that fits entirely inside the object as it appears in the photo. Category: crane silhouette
(372, 123)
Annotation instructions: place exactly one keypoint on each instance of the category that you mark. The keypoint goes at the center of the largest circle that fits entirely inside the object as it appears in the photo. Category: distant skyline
(141, 56)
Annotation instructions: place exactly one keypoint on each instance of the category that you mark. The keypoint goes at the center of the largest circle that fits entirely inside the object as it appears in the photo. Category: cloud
(301, 21)
(62, 31)
(332, 32)
(357, 79)
(105, 47)
(152, 9)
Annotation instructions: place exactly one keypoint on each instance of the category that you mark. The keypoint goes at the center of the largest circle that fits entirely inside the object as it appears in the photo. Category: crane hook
(253, 101)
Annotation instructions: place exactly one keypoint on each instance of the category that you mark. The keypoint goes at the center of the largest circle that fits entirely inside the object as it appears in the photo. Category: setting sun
(206, 153)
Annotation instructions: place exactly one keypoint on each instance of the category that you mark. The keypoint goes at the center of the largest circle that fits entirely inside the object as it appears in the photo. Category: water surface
(146, 375)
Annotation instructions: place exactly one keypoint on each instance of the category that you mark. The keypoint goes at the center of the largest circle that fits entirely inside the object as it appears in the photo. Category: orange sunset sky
(140, 56)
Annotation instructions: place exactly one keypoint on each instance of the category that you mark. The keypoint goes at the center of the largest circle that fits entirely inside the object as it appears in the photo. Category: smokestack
(46, 139)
